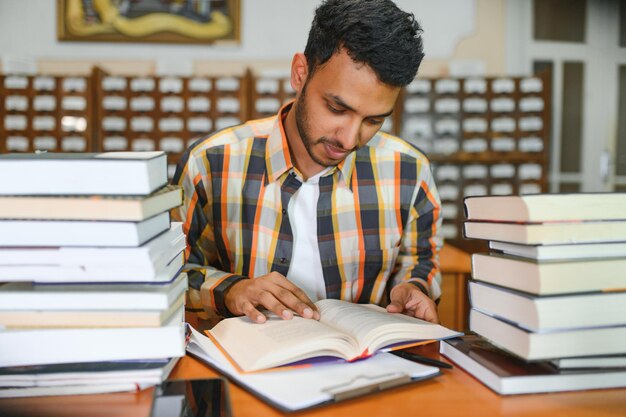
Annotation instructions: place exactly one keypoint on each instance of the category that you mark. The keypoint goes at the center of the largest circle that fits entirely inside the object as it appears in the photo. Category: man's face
(340, 108)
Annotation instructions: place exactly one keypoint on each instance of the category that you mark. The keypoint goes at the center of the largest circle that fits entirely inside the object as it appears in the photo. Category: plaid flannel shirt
(378, 215)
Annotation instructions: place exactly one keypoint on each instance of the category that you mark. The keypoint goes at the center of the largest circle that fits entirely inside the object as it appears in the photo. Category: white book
(585, 341)
(549, 233)
(552, 311)
(557, 252)
(547, 207)
(591, 362)
(112, 173)
(90, 207)
(22, 296)
(50, 346)
(81, 233)
(89, 373)
(39, 318)
(48, 391)
(162, 272)
(550, 277)
(165, 245)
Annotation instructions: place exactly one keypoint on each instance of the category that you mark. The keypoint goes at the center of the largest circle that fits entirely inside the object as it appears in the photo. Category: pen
(421, 359)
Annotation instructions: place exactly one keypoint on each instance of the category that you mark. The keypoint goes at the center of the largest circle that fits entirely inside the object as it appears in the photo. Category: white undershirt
(305, 270)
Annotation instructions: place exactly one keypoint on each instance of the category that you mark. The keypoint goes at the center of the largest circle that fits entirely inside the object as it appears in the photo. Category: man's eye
(375, 122)
(335, 110)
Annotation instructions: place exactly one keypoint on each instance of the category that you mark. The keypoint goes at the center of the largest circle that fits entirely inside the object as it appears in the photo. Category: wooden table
(455, 393)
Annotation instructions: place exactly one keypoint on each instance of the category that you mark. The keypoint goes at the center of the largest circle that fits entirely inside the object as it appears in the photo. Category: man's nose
(349, 134)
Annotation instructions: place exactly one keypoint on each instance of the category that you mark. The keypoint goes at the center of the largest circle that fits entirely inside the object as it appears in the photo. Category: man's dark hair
(373, 32)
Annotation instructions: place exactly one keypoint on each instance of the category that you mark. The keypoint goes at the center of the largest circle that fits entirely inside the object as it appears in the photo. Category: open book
(346, 330)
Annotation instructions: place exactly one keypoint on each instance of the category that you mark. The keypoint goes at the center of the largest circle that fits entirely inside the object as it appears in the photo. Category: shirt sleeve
(418, 257)
(208, 282)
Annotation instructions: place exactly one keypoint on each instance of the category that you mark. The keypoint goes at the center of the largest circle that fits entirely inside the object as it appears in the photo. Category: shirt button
(283, 260)
(284, 212)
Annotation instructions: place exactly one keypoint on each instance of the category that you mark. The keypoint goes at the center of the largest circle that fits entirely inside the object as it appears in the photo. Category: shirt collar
(278, 159)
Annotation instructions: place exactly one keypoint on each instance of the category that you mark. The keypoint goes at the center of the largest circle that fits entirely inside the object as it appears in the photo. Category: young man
(316, 202)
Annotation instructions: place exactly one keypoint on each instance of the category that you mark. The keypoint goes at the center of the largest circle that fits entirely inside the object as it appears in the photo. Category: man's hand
(272, 291)
(407, 299)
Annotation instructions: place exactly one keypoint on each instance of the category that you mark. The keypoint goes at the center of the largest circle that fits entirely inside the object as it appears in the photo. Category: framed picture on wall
(170, 21)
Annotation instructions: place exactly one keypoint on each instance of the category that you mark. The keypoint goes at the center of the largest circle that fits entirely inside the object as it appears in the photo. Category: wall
(272, 30)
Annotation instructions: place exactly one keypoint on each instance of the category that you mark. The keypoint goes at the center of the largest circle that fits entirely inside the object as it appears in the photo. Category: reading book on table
(299, 388)
(345, 330)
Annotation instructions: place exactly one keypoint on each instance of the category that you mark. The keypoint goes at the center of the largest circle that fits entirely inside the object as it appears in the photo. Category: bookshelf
(485, 135)
(482, 136)
(48, 113)
(164, 113)
(268, 92)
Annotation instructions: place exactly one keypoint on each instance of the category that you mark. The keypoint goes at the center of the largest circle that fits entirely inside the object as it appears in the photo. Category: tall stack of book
(549, 299)
(91, 288)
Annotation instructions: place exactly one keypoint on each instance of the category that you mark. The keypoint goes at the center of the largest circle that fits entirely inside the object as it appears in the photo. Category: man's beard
(302, 124)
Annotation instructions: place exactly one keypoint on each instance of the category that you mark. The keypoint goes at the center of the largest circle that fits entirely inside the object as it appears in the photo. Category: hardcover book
(583, 341)
(24, 296)
(549, 277)
(151, 256)
(538, 313)
(88, 373)
(21, 347)
(547, 207)
(507, 374)
(591, 362)
(88, 318)
(554, 233)
(90, 207)
(108, 173)
(563, 252)
(34, 233)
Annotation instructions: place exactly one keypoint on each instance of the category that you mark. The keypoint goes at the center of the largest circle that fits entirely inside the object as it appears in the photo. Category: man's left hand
(407, 299)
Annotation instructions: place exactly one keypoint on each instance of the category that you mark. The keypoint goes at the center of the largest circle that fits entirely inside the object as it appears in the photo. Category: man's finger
(290, 300)
(431, 315)
(426, 311)
(282, 281)
(269, 301)
(395, 307)
(252, 313)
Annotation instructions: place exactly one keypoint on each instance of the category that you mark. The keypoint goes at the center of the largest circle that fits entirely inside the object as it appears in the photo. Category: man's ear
(299, 71)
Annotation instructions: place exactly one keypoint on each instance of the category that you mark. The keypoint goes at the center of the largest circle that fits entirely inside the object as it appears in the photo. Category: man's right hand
(272, 291)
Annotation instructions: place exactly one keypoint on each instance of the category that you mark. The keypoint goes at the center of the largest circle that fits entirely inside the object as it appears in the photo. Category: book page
(278, 342)
(373, 327)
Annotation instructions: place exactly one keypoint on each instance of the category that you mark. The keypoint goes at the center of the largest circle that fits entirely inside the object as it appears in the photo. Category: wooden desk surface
(455, 393)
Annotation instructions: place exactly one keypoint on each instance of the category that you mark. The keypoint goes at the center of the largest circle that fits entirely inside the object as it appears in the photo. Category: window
(560, 20)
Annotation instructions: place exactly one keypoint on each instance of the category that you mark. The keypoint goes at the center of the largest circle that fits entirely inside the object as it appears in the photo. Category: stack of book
(91, 288)
(549, 300)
